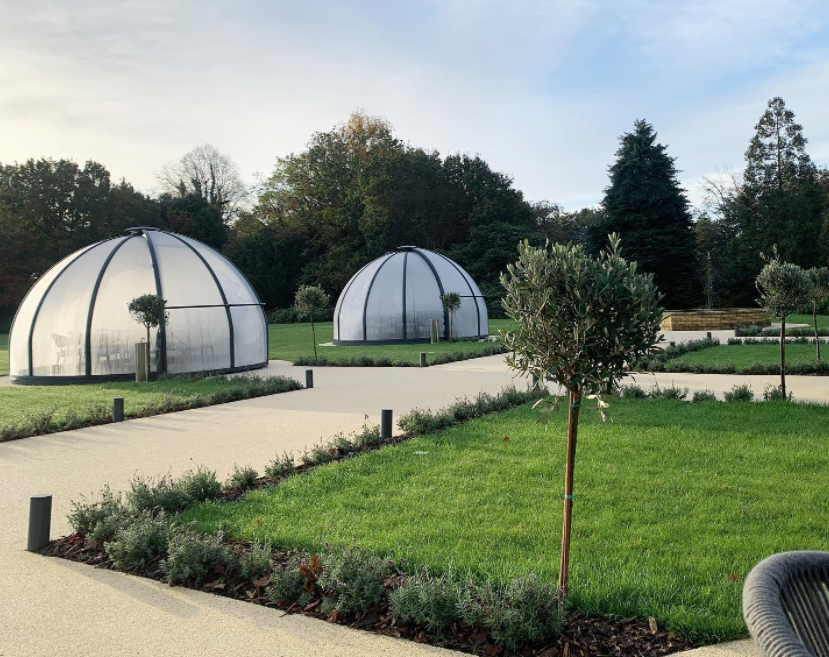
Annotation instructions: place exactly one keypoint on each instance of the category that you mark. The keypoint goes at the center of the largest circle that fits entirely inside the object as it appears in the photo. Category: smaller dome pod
(74, 325)
(394, 298)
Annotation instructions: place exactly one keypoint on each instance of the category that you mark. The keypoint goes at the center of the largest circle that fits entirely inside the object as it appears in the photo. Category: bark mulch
(582, 635)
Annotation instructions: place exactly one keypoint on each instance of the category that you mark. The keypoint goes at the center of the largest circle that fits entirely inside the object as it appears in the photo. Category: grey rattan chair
(786, 604)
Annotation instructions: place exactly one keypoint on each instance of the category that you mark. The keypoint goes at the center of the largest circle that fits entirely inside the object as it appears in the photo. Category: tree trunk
(314, 336)
(451, 328)
(783, 356)
(572, 433)
(817, 338)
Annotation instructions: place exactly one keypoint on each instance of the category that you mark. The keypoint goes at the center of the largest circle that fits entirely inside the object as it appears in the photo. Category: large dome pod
(74, 325)
(392, 299)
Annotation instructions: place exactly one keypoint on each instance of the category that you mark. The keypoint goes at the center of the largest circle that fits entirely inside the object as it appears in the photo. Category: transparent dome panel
(185, 281)
(249, 335)
(350, 314)
(384, 311)
(59, 338)
(114, 331)
(465, 319)
(235, 285)
(19, 336)
(422, 299)
(198, 340)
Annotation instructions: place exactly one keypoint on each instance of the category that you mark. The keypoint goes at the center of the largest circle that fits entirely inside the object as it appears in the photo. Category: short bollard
(708, 335)
(423, 362)
(385, 424)
(672, 344)
(40, 522)
(309, 378)
(118, 409)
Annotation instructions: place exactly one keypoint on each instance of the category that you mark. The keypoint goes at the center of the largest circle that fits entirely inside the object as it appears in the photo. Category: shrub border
(441, 358)
(251, 386)
(380, 619)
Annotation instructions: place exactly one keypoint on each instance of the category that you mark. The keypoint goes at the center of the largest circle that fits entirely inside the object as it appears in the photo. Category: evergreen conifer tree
(645, 205)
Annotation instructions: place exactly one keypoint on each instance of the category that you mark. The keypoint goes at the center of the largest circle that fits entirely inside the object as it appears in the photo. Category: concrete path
(50, 607)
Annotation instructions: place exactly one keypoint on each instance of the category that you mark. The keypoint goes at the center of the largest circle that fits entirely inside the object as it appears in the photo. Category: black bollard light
(309, 378)
(385, 423)
(118, 409)
(40, 522)
(423, 362)
(708, 335)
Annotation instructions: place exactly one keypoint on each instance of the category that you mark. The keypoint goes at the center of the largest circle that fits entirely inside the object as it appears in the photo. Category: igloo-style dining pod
(74, 324)
(394, 298)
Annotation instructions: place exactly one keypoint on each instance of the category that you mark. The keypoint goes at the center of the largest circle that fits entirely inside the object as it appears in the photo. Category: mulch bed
(582, 636)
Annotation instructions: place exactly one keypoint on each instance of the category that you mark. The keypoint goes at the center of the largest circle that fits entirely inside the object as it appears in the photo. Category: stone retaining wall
(713, 320)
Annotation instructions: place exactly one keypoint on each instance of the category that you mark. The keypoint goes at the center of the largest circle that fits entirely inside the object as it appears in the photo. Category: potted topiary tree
(784, 289)
(151, 311)
(578, 321)
(309, 300)
(451, 304)
(820, 293)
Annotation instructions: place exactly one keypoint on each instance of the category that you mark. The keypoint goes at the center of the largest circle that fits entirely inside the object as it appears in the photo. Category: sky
(540, 89)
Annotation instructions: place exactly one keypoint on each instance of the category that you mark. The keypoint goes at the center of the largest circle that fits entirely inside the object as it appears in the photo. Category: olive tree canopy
(579, 321)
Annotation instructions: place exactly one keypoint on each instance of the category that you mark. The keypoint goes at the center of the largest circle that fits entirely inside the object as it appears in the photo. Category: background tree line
(358, 190)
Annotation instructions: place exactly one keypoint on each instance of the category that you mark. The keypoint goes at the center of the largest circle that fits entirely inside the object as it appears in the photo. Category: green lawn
(4, 354)
(292, 341)
(743, 356)
(78, 402)
(675, 502)
(822, 320)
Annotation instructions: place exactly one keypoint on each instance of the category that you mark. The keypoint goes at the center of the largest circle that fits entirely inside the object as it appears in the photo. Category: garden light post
(309, 378)
(385, 423)
(118, 409)
(40, 522)
(423, 362)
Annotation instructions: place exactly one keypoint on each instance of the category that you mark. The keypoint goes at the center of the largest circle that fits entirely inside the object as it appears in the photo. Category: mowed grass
(18, 402)
(4, 354)
(292, 341)
(674, 504)
(822, 320)
(741, 357)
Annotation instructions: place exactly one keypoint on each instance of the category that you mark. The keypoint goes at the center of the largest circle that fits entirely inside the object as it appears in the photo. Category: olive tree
(820, 293)
(451, 304)
(309, 300)
(578, 321)
(784, 289)
(150, 310)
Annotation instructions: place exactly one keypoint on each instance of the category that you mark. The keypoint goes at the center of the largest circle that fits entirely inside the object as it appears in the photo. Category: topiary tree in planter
(150, 310)
(784, 289)
(309, 300)
(820, 293)
(579, 321)
(451, 304)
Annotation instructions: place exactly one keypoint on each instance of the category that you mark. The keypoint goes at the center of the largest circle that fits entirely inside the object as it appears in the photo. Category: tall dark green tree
(646, 206)
(781, 202)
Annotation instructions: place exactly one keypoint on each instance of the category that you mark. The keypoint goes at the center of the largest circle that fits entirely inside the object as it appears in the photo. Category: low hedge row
(799, 331)
(140, 531)
(434, 359)
(245, 386)
(738, 393)
(290, 316)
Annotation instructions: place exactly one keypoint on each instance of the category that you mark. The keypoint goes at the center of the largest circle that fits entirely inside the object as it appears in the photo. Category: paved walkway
(50, 606)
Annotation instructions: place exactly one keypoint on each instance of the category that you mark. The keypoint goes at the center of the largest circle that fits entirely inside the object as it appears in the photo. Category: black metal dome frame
(406, 250)
(145, 232)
